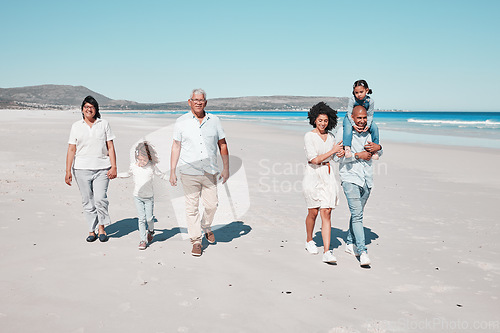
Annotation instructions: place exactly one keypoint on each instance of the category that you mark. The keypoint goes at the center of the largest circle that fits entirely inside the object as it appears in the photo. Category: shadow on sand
(341, 234)
(229, 232)
(122, 228)
(223, 234)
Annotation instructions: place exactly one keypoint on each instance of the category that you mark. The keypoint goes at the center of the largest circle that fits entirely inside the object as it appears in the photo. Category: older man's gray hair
(199, 92)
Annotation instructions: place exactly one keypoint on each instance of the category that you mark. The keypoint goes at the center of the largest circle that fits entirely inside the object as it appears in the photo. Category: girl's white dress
(319, 184)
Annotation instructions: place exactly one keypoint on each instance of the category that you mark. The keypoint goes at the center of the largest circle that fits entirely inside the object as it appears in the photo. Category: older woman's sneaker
(364, 260)
(329, 258)
(311, 247)
(142, 245)
(352, 250)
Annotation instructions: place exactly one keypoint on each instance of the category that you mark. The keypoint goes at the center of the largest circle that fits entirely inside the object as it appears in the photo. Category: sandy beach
(431, 222)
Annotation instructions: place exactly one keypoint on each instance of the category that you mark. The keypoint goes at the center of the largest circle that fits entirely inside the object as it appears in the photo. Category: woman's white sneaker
(364, 260)
(311, 247)
(352, 250)
(329, 258)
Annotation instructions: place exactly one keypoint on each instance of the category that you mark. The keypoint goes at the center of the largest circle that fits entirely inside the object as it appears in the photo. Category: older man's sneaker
(329, 258)
(142, 245)
(210, 237)
(352, 250)
(196, 251)
(311, 247)
(364, 260)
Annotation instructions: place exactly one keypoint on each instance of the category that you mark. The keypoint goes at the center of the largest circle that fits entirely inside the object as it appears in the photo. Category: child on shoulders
(360, 94)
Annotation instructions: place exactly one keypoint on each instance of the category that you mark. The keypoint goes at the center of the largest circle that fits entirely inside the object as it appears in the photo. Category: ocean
(471, 129)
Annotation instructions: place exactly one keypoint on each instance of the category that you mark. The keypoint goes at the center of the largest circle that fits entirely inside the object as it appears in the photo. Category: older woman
(320, 187)
(91, 156)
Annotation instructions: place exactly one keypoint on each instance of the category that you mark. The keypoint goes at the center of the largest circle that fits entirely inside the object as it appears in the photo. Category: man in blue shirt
(356, 174)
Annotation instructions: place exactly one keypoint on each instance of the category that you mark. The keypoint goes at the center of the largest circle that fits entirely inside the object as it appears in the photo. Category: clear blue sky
(417, 55)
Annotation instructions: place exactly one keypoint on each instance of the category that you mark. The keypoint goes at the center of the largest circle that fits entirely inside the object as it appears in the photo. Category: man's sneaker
(311, 247)
(375, 156)
(142, 245)
(348, 153)
(196, 251)
(150, 236)
(329, 258)
(352, 250)
(364, 260)
(210, 237)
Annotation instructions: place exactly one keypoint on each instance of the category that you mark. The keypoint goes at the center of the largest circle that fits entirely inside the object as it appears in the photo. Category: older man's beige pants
(196, 186)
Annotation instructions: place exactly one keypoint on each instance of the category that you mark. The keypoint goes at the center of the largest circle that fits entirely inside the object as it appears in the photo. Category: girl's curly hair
(146, 149)
(323, 108)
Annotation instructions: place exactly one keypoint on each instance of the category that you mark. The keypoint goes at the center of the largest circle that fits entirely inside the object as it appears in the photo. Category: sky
(438, 55)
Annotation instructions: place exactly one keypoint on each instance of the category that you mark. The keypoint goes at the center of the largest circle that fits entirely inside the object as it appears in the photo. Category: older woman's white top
(91, 148)
(319, 184)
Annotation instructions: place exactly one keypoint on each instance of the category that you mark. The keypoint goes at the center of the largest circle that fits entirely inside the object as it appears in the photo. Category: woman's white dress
(320, 186)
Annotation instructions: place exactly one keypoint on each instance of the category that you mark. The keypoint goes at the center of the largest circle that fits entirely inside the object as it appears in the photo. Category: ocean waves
(488, 123)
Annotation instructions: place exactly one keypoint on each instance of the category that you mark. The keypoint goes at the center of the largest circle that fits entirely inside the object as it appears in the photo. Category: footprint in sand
(124, 307)
(443, 289)
(185, 303)
(406, 287)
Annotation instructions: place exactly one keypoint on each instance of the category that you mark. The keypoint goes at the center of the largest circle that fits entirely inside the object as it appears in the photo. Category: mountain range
(62, 97)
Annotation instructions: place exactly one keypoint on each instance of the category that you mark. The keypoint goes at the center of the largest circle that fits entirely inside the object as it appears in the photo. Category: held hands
(364, 155)
(357, 128)
(112, 172)
(68, 178)
(338, 147)
(173, 178)
(224, 175)
(360, 129)
(372, 147)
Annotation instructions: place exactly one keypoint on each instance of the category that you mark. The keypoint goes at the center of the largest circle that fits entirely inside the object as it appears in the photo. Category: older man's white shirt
(198, 143)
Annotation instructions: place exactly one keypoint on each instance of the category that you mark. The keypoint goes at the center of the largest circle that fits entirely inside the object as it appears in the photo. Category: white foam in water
(454, 122)
(409, 137)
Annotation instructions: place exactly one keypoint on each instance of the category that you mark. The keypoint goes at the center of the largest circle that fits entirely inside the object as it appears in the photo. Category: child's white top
(143, 179)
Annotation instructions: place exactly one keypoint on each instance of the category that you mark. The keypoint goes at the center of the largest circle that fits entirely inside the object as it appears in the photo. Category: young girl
(360, 92)
(143, 171)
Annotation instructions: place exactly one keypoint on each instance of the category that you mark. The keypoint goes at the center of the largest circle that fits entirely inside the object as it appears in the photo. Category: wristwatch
(356, 156)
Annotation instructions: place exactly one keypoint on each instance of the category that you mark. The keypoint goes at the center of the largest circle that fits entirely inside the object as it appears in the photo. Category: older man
(356, 174)
(197, 135)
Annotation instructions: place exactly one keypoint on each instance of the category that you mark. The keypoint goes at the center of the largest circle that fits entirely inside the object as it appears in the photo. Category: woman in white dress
(320, 187)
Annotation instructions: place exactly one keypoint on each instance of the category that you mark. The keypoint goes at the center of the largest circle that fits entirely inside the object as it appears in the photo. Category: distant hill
(70, 97)
(274, 102)
(52, 96)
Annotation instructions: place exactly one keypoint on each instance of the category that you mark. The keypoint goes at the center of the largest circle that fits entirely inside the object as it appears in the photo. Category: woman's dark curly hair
(323, 108)
(146, 149)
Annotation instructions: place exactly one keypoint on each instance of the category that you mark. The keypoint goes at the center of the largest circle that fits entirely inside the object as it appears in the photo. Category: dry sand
(432, 225)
